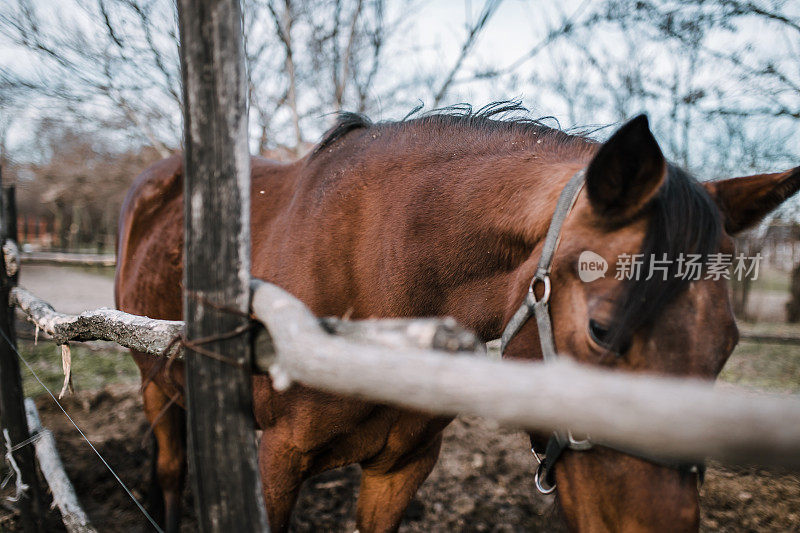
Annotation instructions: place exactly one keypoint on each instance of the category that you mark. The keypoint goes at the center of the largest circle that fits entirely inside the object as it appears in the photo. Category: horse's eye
(602, 336)
(599, 333)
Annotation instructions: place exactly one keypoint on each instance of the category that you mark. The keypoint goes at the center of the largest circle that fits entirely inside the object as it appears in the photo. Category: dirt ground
(482, 482)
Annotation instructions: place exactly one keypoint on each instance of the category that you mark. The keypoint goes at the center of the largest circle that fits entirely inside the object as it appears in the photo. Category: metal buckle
(545, 278)
(579, 445)
(537, 480)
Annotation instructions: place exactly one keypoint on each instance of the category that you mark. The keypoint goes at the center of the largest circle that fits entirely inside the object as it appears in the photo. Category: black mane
(495, 116)
(345, 123)
(501, 116)
(683, 220)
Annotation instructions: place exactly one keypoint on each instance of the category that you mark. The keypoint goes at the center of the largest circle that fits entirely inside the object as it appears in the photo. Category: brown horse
(445, 215)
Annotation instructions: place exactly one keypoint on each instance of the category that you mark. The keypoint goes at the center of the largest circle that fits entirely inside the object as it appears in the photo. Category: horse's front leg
(388, 483)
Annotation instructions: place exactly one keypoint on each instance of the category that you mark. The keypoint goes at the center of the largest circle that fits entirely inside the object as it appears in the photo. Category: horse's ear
(745, 201)
(626, 172)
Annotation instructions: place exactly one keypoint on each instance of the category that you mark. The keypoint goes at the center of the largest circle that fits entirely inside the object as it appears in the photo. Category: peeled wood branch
(64, 497)
(137, 332)
(153, 336)
(418, 333)
(676, 417)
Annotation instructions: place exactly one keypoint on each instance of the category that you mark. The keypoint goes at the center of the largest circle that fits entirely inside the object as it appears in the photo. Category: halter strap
(541, 308)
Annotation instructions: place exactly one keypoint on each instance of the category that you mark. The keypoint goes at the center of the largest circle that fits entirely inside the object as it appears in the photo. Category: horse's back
(150, 243)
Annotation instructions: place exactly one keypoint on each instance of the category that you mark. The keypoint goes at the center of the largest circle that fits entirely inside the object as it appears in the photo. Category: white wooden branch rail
(679, 418)
(64, 497)
(154, 336)
(139, 333)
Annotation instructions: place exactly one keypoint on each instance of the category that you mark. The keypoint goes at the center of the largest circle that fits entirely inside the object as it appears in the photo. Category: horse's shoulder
(157, 183)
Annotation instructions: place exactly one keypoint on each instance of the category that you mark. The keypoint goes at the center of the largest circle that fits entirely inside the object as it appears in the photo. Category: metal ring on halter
(537, 480)
(578, 445)
(545, 278)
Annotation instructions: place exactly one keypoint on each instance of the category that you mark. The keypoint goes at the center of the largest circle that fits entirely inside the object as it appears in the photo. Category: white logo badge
(591, 266)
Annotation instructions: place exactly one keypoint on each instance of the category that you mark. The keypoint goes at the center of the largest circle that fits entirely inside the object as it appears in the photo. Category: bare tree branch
(489, 9)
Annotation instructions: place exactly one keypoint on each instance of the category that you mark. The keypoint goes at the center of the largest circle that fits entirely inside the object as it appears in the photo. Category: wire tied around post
(173, 350)
(20, 487)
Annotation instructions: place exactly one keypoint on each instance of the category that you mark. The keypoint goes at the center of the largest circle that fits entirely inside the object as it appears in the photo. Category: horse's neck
(501, 237)
(462, 221)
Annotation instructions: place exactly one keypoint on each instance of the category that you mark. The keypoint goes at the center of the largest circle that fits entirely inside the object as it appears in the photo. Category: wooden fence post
(222, 454)
(12, 408)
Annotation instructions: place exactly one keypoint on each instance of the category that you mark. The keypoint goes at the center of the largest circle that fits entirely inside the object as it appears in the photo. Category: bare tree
(473, 31)
(115, 61)
(80, 182)
(331, 54)
(119, 68)
(114, 64)
(718, 107)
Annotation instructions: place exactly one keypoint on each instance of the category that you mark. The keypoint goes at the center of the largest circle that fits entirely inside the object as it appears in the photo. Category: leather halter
(540, 308)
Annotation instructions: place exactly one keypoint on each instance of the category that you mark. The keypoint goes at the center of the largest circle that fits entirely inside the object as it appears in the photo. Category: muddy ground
(483, 481)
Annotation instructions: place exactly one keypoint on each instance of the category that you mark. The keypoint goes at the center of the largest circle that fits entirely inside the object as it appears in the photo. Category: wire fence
(53, 397)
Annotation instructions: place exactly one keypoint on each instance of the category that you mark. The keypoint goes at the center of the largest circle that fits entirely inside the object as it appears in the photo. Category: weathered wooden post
(12, 408)
(222, 454)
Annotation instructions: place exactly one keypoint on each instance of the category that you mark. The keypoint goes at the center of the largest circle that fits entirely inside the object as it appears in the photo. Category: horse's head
(672, 317)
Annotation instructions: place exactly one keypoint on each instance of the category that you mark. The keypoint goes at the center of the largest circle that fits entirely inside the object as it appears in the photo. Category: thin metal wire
(113, 473)
(32, 438)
